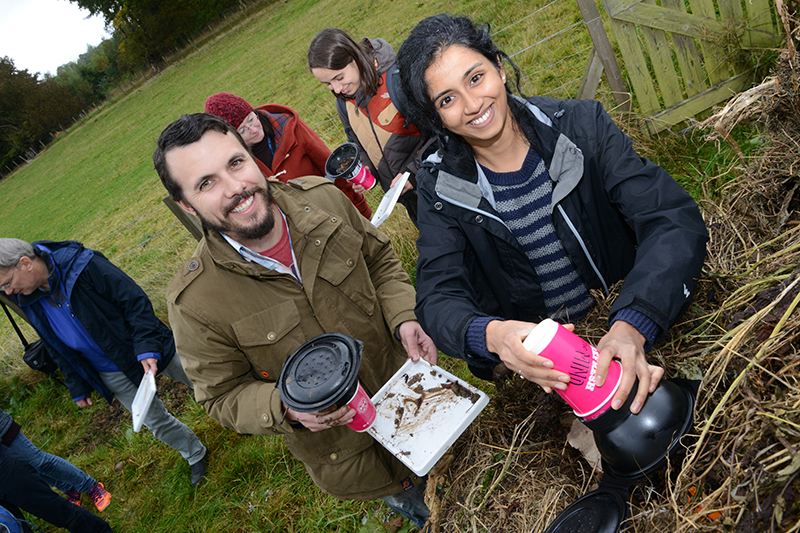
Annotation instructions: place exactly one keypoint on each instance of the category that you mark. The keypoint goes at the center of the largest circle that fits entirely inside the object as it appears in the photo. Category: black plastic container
(345, 162)
(631, 446)
(600, 511)
(322, 373)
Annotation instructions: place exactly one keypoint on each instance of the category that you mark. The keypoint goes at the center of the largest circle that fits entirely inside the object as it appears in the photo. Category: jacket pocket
(343, 267)
(268, 337)
(342, 462)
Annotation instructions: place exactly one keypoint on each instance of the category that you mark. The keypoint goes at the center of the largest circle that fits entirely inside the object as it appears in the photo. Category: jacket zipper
(298, 256)
(578, 237)
(571, 226)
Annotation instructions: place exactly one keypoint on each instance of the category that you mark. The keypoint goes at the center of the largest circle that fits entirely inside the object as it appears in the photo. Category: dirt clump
(114, 418)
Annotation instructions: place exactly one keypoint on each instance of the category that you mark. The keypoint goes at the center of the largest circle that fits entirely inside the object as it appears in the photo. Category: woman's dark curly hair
(333, 49)
(425, 44)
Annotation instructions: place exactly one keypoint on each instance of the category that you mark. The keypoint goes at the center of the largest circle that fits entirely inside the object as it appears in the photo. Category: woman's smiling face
(345, 81)
(469, 94)
(251, 130)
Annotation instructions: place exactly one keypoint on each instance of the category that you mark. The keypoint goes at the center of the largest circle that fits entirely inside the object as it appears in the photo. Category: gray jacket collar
(565, 169)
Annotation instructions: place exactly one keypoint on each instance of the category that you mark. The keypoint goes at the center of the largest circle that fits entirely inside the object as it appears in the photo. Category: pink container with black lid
(322, 375)
(574, 356)
(345, 162)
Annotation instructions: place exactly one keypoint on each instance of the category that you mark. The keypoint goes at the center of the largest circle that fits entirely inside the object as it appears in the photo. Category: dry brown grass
(513, 471)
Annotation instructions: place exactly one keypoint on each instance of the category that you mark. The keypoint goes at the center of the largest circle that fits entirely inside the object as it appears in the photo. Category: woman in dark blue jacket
(527, 206)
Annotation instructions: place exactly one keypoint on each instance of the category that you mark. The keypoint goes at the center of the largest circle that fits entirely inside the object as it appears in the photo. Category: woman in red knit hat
(284, 146)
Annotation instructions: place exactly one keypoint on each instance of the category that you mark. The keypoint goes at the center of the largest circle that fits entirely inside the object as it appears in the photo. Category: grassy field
(96, 184)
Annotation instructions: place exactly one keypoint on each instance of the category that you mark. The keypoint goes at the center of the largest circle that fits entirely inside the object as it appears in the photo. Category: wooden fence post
(605, 54)
(676, 56)
(189, 222)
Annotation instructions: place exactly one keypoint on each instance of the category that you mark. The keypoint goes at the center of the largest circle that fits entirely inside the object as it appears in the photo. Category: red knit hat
(229, 107)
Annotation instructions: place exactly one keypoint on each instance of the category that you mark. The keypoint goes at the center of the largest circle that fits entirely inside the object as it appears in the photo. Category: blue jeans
(410, 504)
(57, 472)
(22, 488)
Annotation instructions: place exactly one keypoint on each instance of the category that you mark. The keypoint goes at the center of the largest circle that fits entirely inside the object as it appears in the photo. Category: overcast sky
(42, 35)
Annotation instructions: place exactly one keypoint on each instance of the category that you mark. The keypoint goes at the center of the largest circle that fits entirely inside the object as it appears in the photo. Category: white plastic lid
(538, 339)
(141, 402)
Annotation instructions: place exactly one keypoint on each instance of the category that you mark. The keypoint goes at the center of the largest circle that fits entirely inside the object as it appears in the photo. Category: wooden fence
(684, 56)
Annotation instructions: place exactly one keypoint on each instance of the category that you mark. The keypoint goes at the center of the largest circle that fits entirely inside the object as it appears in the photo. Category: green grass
(96, 179)
(253, 484)
(702, 167)
(96, 184)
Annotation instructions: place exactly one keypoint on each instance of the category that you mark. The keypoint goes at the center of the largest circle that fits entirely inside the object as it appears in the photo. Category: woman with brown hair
(362, 76)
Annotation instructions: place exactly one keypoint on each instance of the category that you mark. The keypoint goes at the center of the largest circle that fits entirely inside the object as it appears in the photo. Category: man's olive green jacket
(235, 323)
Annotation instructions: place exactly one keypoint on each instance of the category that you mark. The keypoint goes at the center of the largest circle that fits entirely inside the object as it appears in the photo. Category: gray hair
(11, 250)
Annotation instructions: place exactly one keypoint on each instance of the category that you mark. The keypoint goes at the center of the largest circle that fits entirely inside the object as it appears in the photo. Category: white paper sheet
(141, 402)
(389, 200)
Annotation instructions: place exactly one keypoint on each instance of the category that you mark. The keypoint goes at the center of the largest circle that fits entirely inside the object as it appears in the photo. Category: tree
(31, 110)
(149, 29)
(107, 8)
(95, 72)
(14, 86)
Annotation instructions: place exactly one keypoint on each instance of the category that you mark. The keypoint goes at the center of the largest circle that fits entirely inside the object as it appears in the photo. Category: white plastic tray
(389, 201)
(141, 402)
(421, 411)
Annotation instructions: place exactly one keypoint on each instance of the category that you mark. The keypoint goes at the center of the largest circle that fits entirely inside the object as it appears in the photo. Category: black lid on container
(641, 443)
(320, 373)
(600, 511)
(334, 163)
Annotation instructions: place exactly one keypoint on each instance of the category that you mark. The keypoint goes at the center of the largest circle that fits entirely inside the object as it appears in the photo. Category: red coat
(300, 152)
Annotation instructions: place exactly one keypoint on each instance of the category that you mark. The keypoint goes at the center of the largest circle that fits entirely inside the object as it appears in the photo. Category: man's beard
(251, 233)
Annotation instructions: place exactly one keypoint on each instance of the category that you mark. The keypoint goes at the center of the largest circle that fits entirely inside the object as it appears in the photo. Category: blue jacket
(618, 216)
(5, 422)
(115, 311)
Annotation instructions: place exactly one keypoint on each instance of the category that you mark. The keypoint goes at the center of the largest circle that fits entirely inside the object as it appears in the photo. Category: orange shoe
(100, 496)
(73, 496)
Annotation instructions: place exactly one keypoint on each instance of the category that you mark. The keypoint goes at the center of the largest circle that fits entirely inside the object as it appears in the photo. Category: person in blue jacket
(530, 203)
(101, 330)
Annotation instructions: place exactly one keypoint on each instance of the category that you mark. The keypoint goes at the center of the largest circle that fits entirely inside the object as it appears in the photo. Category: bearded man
(279, 264)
